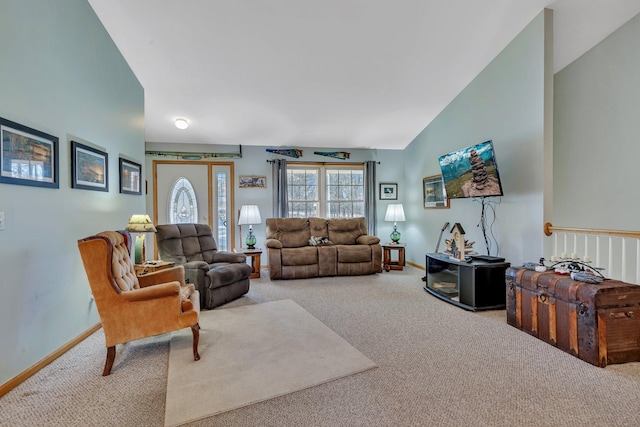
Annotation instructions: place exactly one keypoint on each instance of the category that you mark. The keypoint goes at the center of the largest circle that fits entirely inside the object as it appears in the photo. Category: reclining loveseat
(300, 248)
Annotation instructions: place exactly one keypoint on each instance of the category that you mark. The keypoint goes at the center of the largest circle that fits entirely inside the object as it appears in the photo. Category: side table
(388, 263)
(151, 266)
(254, 254)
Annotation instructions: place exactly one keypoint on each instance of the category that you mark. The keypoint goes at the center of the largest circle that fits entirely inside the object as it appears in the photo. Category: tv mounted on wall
(471, 172)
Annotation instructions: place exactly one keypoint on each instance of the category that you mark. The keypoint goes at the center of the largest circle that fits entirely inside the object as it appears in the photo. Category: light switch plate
(1, 220)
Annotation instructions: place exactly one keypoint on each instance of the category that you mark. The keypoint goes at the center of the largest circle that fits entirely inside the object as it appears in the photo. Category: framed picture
(89, 168)
(27, 156)
(435, 196)
(130, 177)
(252, 181)
(388, 191)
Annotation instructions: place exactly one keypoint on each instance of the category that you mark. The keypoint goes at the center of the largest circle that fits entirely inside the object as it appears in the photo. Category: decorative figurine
(458, 241)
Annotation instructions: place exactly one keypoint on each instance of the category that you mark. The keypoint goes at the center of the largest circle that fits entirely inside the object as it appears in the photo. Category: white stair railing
(623, 260)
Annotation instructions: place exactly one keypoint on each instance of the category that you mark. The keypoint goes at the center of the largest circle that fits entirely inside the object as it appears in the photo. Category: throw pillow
(319, 241)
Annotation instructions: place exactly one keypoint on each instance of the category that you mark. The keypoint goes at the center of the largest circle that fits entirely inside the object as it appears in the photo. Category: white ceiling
(329, 73)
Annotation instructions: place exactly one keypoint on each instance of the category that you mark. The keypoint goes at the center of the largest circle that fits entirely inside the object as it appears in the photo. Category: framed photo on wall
(130, 177)
(253, 181)
(27, 156)
(89, 168)
(388, 191)
(434, 194)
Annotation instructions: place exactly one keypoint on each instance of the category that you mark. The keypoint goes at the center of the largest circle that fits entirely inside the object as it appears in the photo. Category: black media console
(475, 285)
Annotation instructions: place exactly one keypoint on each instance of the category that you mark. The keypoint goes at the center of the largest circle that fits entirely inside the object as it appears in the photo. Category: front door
(195, 192)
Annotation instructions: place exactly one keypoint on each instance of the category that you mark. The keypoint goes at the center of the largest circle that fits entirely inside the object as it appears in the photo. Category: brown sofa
(346, 250)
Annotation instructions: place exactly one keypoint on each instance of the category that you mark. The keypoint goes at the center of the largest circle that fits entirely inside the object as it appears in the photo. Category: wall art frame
(252, 181)
(130, 176)
(28, 156)
(433, 193)
(89, 168)
(388, 191)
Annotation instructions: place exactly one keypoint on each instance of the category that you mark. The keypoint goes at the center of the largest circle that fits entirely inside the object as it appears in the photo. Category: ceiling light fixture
(181, 123)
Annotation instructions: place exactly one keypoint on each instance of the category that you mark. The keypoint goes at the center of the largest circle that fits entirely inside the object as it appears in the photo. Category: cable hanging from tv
(488, 205)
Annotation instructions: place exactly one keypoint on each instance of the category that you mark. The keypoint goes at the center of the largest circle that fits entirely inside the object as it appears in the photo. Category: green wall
(596, 135)
(62, 75)
(506, 103)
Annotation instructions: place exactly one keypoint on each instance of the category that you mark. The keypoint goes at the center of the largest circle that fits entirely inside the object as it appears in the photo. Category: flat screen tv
(471, 172)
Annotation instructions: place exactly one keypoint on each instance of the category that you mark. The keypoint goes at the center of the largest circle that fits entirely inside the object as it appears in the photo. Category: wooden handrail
(549, 229)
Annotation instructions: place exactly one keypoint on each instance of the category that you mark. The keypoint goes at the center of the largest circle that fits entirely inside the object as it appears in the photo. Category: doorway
(195, 192)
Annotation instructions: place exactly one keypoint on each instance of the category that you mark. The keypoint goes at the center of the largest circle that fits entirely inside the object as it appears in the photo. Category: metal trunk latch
(582, 309)
(543, 298)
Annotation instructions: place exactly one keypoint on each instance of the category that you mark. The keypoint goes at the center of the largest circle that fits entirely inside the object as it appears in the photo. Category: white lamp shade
(141, 223)
(249, 215)
(395, 213)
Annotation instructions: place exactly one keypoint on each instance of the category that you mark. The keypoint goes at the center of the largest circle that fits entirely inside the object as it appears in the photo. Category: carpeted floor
(250, 354)
(438, 365)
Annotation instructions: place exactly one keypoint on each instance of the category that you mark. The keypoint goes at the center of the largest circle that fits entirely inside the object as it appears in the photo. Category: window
(326, 191)
(222, 200)
(183, 207)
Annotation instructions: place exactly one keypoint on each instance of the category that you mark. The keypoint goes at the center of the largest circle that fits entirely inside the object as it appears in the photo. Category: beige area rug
(250, 354)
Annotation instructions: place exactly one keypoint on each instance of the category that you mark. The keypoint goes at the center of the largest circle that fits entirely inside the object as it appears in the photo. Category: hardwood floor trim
(413, 264)
(33, 369)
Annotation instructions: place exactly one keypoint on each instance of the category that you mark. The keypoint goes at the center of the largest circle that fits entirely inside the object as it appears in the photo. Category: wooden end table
(151, 266)
(388, 263)
(254, 254)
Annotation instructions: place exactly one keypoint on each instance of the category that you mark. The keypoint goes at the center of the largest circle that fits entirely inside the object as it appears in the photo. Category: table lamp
(249, 215)
(140, 224)
(395, 213)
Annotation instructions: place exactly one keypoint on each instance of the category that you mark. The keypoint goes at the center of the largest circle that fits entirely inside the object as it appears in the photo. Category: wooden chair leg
(196, 337)
(111, 356)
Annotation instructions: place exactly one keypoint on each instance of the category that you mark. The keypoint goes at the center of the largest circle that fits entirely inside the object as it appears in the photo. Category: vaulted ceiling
(329, 73)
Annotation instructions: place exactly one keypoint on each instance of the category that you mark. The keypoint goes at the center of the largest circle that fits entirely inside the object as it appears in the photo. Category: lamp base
(251, 240)
(395, 236)
(139, 255)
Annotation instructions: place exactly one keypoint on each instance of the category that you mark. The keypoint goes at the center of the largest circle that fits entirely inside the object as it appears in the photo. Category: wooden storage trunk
(599, 323)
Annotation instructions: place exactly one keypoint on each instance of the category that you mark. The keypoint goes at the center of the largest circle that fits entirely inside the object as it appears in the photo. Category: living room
(549, 130)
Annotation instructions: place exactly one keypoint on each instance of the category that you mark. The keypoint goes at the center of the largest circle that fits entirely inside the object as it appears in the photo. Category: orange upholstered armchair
(132, 307)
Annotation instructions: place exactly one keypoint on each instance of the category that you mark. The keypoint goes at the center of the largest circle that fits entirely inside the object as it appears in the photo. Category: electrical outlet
(1, 220)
